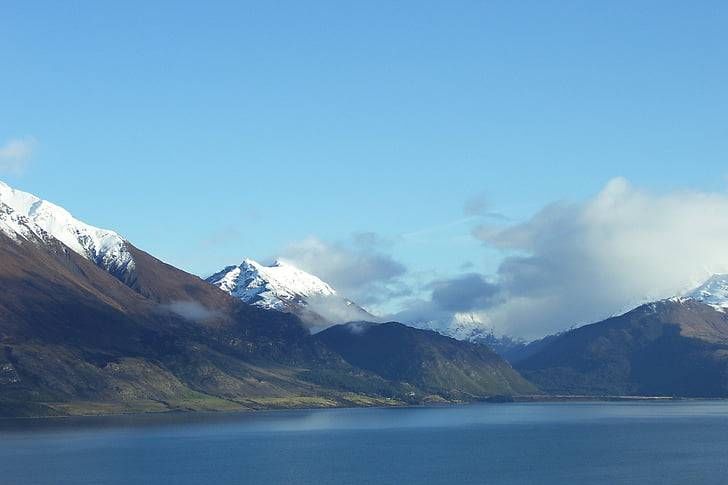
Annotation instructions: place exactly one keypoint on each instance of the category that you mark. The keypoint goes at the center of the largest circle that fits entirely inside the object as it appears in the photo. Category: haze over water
(627, 442)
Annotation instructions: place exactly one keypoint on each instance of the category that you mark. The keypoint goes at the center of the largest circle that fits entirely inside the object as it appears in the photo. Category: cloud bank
(575, 263)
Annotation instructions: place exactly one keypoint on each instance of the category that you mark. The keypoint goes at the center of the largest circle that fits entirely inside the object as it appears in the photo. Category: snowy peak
(42, 218)
(281, 286)
(276, 286)
(713, 292)
(287, 281)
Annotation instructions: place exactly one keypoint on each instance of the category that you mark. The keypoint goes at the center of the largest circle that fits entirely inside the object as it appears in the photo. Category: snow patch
(713, 292)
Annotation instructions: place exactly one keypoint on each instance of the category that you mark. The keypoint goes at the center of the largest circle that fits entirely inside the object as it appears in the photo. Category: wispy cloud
(224, 236)
(479, 206)
(15, 154)
(190, 310)
(476, 210)
(426, 233)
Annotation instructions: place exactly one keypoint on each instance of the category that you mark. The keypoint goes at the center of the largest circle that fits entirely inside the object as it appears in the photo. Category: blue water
(628, 442)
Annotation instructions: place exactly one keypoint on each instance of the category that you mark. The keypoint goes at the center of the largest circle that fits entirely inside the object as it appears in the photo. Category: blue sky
(205, 132)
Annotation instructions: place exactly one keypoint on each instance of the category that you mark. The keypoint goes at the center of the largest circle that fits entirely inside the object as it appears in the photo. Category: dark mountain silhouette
(425, 359)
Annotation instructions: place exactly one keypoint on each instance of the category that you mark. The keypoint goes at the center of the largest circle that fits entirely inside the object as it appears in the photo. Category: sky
(430, 158)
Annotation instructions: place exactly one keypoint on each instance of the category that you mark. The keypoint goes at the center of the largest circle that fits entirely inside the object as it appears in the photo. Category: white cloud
(15, 154)
(356, 268)
(575, 263)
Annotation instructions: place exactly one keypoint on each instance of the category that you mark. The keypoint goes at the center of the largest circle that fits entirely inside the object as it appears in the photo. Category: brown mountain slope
(75, 339)
(164, 283)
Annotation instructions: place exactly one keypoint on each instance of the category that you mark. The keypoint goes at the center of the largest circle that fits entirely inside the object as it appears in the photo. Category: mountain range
(673, 347)
(90, 324)
(284, 287)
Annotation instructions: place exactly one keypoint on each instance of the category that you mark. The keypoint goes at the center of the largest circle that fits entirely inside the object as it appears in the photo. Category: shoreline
(495, 400)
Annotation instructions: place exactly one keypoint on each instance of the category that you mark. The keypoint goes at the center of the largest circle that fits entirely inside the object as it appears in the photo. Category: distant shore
(535, 398)
(586, 397)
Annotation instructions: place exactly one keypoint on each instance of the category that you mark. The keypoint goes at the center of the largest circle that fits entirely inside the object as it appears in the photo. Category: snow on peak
(713, 292)
(275, 286)
(281, 286)
(104, 247)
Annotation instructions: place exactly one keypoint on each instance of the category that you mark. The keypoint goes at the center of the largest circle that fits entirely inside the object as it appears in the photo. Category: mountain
(82, 333)
(283, 287)
(425, 359)
(673, 347)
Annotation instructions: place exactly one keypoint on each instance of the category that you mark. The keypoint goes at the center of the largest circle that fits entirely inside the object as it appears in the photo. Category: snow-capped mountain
(713, 292)
(283, 287)
(275, 286)
(24, 214)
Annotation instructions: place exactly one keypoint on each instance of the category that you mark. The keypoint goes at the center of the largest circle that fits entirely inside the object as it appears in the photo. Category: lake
(620, 442)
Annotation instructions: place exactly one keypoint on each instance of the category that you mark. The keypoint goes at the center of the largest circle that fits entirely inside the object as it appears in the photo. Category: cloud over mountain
(464, 293)
(358, 268)
(576, 262)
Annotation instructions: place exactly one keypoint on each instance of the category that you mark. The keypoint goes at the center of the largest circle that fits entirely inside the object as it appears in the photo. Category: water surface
(626, 442)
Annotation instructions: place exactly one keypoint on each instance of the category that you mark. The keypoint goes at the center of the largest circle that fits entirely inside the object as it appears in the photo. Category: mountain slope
(425, 359)
(283, 287)
(149, 276)
(675, 347)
